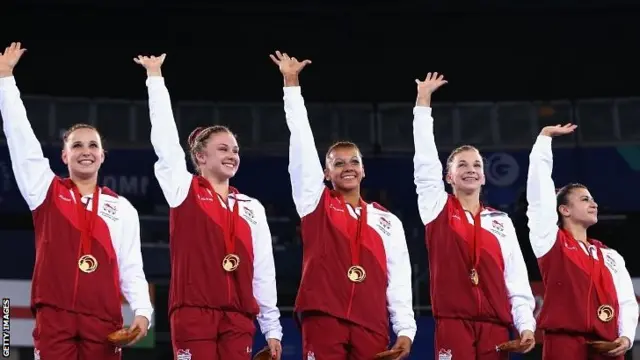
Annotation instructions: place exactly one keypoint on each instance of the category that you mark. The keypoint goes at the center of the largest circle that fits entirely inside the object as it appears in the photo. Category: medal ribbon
(474, 231)
(230, 214)
(598, 277)
(355, 239)
(86, 222)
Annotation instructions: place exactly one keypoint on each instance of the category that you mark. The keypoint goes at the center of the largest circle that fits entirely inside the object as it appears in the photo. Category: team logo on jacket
(183, 354)
(249, 215)
(497, 228)
(444, 354)
(311, 356)
(36, 354)
(611, 263)
(109, 211)
(385, 226)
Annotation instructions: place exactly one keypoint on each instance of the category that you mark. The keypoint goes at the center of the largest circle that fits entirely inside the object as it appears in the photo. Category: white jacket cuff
(410, 333)
(274, 334)
(146, 313)
(531, 326)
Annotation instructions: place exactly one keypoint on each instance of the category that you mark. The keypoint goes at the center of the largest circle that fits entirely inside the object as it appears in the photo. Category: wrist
(157, 72)
(291, 80)
(423, 100)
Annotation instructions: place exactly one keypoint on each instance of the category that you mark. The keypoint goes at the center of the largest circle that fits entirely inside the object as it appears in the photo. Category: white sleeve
(31, 169)
(427, 169)
(399, 290)
(305, 168)
(133, 282)
(628, 318)
(264, 279)
(517, 282)
(541, 196)
(171, 167)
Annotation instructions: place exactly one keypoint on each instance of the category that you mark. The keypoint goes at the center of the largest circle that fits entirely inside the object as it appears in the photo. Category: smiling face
(82, 153)
(215, 151)
(344, 167)
(465, 170)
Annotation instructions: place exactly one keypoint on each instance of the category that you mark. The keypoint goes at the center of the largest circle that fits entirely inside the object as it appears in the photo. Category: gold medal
(605, 313)
(356, 274)
(473, 276)
(87, 264)
(230, 262)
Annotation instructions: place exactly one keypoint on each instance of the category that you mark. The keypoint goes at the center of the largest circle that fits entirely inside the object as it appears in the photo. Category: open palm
(557, 130)
(150, 62)
(11, 55)
(431, 83)
(288, 65)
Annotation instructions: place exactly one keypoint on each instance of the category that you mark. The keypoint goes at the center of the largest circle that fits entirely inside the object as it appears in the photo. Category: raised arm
(427, 169)
(305, 167)
(31, 169)
(133, 282)
(399, 289)
(264, 279)
(171, 167)
(517, 283)
(541, 192)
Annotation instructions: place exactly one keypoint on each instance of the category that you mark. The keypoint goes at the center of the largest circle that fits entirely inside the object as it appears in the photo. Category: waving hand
(9, 58)
(153, 64)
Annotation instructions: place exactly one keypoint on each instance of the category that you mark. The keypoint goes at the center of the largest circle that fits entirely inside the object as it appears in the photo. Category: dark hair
(342, 145)
(198, 140)
(457, 151)
(562, 198)
(74, 127)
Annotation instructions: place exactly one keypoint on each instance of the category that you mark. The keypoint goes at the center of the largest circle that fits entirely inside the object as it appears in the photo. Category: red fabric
(574, 284)
(559, 346)
(326, 260)
(57, 332)
(465, 339)
(449, 239)
(57, 281)
(197, 247)
(211, 334)
(329, 338)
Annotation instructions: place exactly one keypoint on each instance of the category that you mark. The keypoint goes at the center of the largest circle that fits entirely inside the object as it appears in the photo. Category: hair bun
(194, 134)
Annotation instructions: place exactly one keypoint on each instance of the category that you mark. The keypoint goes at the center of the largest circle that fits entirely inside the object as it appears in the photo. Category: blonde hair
(198, 139)
(457, 151)
(74, 127)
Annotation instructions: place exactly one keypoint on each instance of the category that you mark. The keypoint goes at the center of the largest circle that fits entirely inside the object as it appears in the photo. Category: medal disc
(230, 262)
(356, 274)
(605, 313)
(87, 264)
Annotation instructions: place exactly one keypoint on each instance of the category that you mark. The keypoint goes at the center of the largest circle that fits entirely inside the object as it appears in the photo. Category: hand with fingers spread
(9, 58)
(557, 130)
(290, 67)
(153, 64)
(428, 86)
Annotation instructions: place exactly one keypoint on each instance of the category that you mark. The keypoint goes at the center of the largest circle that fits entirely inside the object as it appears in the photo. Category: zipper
(590, 290)
(353, 291)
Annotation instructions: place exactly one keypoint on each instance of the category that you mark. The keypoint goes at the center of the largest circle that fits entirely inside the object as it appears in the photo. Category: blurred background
(513, 67)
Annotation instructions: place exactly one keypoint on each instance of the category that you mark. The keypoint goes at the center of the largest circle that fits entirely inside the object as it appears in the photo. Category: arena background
(513, 67)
